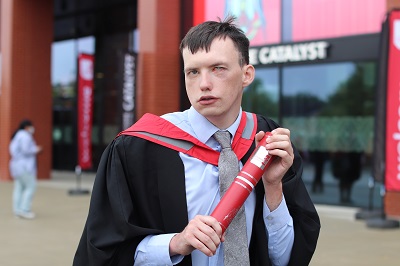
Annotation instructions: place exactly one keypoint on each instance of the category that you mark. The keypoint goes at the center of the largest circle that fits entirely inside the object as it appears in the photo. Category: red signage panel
(392, 173)
(316, 19)
(85, 110)
(259, 19)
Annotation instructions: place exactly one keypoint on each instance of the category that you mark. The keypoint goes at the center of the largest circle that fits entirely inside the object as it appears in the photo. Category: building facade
(316, 73)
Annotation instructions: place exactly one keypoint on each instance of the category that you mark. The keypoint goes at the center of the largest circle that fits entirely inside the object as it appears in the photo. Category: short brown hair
(202, 35)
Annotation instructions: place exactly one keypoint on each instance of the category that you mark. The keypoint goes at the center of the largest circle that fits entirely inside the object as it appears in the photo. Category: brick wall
(392, 204)
(158, 84)
(390, 4)
(27, 34)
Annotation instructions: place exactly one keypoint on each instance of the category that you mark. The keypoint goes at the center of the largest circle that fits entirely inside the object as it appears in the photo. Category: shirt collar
(204, 129)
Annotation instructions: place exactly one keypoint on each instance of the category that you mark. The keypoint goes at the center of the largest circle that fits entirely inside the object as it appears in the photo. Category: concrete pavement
(52, 237)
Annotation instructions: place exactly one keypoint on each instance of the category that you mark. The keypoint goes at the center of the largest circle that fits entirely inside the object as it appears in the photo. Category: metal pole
(78, 190)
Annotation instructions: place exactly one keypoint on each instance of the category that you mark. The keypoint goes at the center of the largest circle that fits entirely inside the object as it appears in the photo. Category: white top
(23, 150)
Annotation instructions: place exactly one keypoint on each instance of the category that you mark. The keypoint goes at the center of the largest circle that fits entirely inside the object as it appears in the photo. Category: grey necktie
(236, 252)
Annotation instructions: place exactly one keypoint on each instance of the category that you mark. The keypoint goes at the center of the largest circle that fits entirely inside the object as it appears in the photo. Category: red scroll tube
(243, 184)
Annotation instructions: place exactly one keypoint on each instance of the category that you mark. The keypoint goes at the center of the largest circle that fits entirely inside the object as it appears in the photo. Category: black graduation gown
(140, 190)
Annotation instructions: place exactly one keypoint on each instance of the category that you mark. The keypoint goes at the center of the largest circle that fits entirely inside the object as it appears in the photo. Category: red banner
(259, 19)
(316, 19)
(392, 175)
(85, 110)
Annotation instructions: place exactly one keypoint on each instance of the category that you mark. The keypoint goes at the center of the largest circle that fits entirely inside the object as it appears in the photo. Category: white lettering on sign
(86, 69)
(86, 113)
(128, 91)
(396, 33)
(288, 53)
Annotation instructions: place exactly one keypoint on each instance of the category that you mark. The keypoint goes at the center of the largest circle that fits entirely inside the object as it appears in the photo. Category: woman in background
(23, 169)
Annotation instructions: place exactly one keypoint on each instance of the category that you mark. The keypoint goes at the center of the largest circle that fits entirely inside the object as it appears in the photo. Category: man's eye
(218, 68)
(192, 72)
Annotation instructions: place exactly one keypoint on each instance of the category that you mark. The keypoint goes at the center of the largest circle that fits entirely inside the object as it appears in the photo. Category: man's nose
(205, 81)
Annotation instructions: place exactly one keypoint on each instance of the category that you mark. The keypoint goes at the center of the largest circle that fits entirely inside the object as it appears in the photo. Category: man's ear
(248, 75)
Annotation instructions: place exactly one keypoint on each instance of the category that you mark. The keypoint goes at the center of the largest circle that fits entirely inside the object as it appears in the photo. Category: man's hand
(203, 233)
(280, 146)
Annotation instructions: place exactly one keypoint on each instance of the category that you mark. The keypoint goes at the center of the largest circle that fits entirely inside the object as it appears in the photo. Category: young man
(157, 182)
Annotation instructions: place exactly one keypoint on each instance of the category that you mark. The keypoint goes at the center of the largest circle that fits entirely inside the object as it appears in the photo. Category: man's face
(215, 81)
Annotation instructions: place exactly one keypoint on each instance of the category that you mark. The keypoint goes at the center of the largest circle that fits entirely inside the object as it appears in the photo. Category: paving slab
(52, 237)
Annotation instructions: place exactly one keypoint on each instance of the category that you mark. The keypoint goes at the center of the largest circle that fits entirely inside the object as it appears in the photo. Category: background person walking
(23, 169)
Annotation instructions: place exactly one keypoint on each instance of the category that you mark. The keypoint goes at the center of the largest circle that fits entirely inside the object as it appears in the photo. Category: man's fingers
(203, 233)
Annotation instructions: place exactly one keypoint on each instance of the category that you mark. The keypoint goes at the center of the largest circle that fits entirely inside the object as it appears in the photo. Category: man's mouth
(207, 99)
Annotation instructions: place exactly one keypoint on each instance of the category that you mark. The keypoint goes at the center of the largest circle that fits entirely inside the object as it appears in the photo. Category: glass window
(64, 56)
(330, 106)
(329, 109)
(262, 96)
